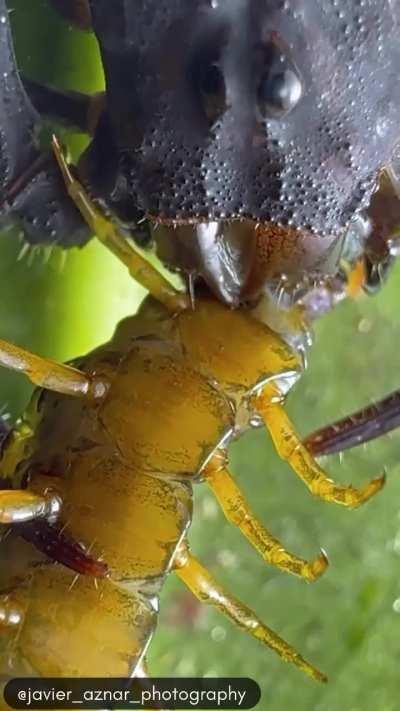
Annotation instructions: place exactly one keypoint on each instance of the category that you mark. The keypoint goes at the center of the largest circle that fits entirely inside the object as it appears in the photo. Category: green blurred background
(349, 622)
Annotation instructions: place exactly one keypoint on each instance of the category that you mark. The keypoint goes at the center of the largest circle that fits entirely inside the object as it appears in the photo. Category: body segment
(176, 391)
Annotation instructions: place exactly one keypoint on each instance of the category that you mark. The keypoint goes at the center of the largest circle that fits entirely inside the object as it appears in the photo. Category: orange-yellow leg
(207, 590)
(11, 613)
(290, 447)
(115, 240)
(21, 505)
(238, 512)
(48, 374)
(356, 278)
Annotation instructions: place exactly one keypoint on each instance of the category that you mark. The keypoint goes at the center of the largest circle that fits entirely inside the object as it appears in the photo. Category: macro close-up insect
(250, 148)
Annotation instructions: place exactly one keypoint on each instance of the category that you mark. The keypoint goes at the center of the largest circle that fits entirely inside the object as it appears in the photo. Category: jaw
(238, 259)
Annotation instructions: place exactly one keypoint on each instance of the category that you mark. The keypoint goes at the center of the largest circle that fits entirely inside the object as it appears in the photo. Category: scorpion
(250, 177)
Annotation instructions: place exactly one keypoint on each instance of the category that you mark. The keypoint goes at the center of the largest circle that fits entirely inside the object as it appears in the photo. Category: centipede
(99, 453)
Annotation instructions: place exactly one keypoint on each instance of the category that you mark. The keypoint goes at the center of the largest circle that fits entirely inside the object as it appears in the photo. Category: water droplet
(218, 634)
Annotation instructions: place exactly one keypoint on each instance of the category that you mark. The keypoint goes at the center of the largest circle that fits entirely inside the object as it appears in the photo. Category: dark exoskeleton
(254, 143)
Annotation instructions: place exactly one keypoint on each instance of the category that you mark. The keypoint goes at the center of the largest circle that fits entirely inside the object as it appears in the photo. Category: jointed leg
(113, 238)
(368, 423)
(21, 505)
(238, 512)
(12, 617)
(290, 447)
(49, 374)
(207, 590)
(11, 613)
(4, 430)
(76, 11)
(73, 108)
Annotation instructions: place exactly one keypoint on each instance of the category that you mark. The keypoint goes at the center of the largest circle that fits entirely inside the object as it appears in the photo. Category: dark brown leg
(360, 427)
(75, 11)
(72, 108)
